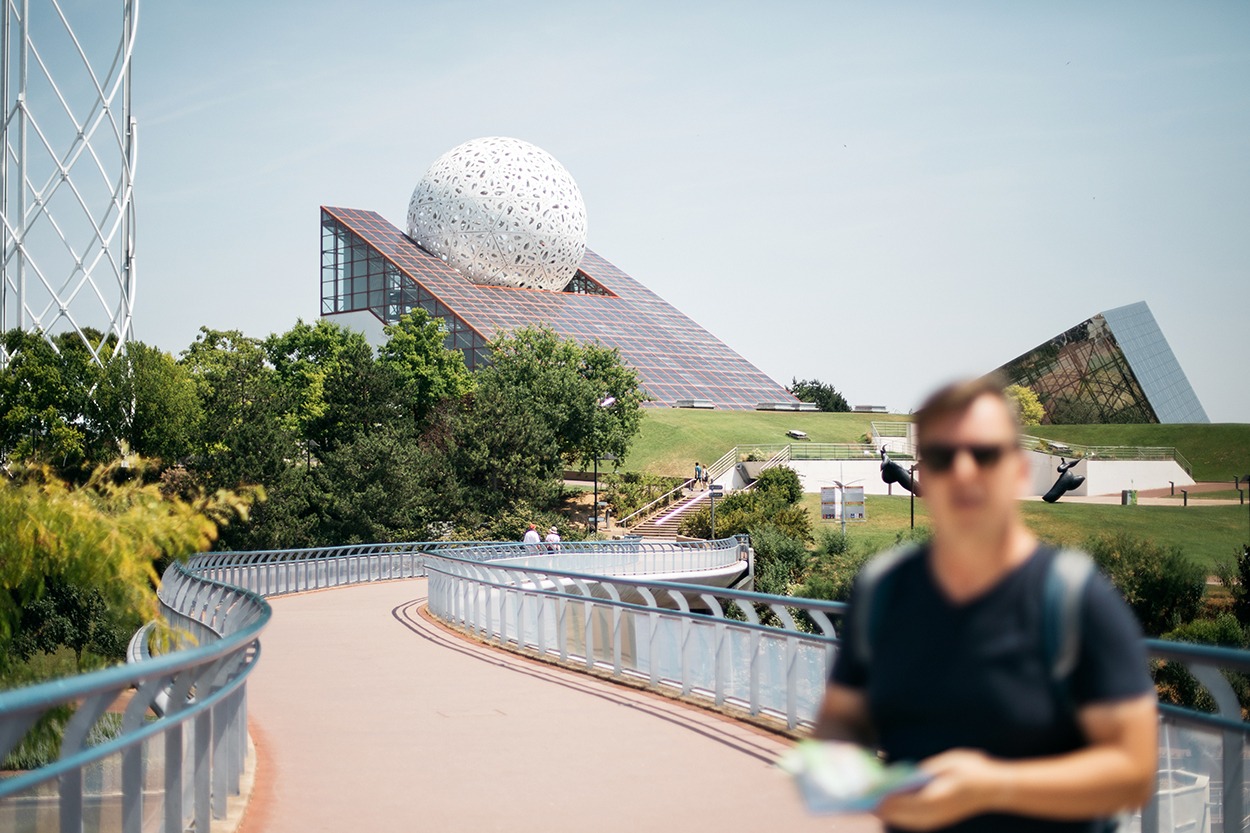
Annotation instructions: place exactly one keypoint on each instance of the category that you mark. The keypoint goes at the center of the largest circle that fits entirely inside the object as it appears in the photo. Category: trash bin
(1128, 497)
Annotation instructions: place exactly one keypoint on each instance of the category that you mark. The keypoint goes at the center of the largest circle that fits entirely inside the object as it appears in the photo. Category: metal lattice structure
(67, 170)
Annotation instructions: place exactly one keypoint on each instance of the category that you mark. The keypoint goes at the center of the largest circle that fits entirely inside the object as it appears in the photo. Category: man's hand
(965, 783)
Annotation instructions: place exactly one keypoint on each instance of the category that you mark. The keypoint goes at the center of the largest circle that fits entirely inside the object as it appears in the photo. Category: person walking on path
(553, 540)
(698, 474)
(949, 668)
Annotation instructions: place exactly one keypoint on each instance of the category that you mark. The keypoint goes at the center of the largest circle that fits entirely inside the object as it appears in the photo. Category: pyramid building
(496, 242)
(1115, 367)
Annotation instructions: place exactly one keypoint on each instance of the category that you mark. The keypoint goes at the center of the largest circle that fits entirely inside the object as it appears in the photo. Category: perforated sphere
(503, 212)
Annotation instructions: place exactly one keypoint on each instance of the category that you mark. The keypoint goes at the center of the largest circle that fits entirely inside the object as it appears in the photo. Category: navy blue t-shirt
(974, 675)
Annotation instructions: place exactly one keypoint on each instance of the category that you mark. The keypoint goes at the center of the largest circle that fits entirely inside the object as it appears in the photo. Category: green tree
(48, 413)
(247, 436)
(499, 455)
(307, 359)
(104, 537)
(824, 395)
(1028, 407)
(426, 372)
(150, 403)
(588, 398)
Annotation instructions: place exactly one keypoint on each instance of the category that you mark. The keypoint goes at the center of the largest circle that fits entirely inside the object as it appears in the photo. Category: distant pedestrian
(531, 537)
(553, 540)
(698, 474)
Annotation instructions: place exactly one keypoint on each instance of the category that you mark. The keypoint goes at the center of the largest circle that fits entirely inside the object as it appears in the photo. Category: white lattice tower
(67, 172)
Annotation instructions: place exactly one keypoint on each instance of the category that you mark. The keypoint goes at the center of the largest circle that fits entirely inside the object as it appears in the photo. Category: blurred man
(951, 669)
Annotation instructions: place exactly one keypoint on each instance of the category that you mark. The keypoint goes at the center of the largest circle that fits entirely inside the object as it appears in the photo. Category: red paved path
(369, 718)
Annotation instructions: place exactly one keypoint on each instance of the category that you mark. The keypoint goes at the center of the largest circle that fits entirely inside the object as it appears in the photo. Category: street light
(606, 402)
(712, 491)
(1246, 480)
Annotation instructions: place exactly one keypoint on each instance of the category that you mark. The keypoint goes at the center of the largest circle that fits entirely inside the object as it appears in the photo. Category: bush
(835, 564)
(782, 482)
(1174, 682)
(1162, 586)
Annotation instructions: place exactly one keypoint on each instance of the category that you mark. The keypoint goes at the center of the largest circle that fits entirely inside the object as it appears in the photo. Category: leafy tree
(824, 395)
(47, 411)
(500, 454)
(373, 490)
(304, 359)
(104, 537)
(426, 371)
(1162, 586)
(247, 436)
(589, 399)
(1028, 407)
(780, 482)
(150, 403)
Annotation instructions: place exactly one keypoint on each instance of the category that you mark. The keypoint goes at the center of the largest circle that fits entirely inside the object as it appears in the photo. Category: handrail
(664, 497)
(203, 702)
(726, 462)
(1106, 452)
(759, 654)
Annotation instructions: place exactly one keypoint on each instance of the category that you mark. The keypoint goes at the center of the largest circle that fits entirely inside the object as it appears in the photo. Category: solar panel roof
(675, 357)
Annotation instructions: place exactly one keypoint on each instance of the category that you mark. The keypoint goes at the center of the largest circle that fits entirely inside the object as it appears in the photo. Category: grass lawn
(1217, 452)
(671, 439)
(1207, 534)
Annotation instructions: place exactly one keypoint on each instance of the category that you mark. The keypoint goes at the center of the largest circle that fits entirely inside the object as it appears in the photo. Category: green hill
(671, 439)
(1217, 452)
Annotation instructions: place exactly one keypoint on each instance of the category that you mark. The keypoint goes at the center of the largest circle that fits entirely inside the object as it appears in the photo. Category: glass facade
(369, 264)
(1113, 368)
(355, 276)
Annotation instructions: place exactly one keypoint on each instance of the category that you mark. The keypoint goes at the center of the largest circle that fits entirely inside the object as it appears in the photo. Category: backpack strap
(1061, 617)
(872, 583)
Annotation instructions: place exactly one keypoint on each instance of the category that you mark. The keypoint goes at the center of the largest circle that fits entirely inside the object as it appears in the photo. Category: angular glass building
(372, 273)
(1113, 368)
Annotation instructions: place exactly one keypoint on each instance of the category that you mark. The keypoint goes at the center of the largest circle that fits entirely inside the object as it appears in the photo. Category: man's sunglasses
(939, 457)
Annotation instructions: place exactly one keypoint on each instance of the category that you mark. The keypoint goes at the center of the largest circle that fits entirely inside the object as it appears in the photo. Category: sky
(882, 196)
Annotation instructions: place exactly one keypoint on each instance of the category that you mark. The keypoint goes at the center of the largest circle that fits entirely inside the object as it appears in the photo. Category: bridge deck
(367, 717)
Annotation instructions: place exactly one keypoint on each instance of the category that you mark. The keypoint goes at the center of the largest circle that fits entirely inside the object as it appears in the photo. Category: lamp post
(1246, 480)
(605, 402)
(912, 493)
(713, 490)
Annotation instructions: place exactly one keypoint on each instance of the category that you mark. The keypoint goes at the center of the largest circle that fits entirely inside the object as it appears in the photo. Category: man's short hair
(957, 397)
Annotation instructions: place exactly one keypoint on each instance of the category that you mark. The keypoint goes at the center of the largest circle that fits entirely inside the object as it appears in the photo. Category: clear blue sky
(879, 195)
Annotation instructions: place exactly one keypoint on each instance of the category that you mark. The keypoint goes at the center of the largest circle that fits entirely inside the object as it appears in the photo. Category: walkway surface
(369, 717)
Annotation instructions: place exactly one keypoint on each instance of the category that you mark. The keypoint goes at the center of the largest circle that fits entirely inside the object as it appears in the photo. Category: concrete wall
(1102, 477)
(362, 321)
(867, 473)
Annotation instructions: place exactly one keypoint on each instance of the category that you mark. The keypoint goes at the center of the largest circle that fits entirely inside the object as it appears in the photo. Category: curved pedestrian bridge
(480, 687)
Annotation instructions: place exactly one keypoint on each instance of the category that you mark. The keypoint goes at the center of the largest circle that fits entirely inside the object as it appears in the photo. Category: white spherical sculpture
(503, 212)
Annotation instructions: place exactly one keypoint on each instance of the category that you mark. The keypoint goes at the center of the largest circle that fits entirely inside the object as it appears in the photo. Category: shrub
(1162, 586)
(1174, 682)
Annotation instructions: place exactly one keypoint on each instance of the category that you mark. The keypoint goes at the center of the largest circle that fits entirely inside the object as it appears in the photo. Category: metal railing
(659, 503)
(760, 655)
(763, 655)
(182, 736)
(1106, 452)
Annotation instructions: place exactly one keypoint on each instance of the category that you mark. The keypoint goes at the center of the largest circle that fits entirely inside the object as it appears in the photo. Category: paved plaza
(369, 717)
